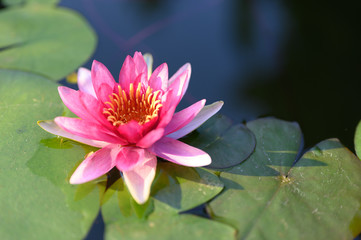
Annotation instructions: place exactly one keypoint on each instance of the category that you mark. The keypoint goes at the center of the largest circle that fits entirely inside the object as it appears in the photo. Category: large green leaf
(181, 188)
(175, 189)
(36, 199)
(227, 145)
(121, 221)
(358, 140)
(44, 40)
(16, 2)
(164, 226)
(267, 197)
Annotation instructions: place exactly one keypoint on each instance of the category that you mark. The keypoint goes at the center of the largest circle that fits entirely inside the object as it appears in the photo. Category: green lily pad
(37, 201)
(44, 40)
(226, 144)
(180, 188)
(358, 140)
(16, 2)
(175, 189)
(268, 197)
(118, 204)
(122, 223)
(166, 226)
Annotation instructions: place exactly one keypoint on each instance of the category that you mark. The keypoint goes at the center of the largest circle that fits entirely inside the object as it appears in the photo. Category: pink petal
(206, 112)
(150, 125)
(103, 81)
(104, 92)
(140, 64)
(88, 130)
(141, 78)
(131, 132)
(83, 105)
(182, 118)
(126, 75)
(168, 109)
(180, 153)
(129, 157)
(134, 70)
(180, 80)
(174, 94)
(85, 81)
(139, 180)
(159, 78)
(96, 164)
(150, 138)
(53, 128)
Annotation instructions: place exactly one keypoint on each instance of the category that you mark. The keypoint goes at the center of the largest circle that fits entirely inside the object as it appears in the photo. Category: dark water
(289, 59)
(295, 60)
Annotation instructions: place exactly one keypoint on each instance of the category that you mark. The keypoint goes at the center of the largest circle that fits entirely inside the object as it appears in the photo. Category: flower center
(138, 106)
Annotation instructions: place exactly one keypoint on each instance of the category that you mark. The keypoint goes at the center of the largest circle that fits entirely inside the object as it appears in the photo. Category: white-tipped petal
(180, 81)
(96, 164)
(206, 112)
(51, 127)
(184, 117)
(180, 153)
(139, 179)
(85, 81)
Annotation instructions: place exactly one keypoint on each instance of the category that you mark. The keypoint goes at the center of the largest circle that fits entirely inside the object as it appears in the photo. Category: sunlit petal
(88, 130)
(51, 127)
(180, 153)
(159, 78)
(96, 164)
(206, 112)
(139, 179)
(103, 81)
(85, 81)
(182, 118)
(180, 80)
(82, 104)
(130, 157)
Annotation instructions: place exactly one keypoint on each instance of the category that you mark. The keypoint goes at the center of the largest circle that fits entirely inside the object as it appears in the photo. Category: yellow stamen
(138, 106)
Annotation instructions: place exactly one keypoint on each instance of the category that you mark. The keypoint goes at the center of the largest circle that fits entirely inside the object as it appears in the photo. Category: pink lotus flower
(132, 121)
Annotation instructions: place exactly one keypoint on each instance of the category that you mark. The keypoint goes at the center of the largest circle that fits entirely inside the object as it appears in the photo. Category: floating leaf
(358, 140)
(36, 199)
(182, 188)
(118, 204)
(166, 226)
(269, 197)
(227, 145)
(158, 225)
(16, 2)
(44, 40)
